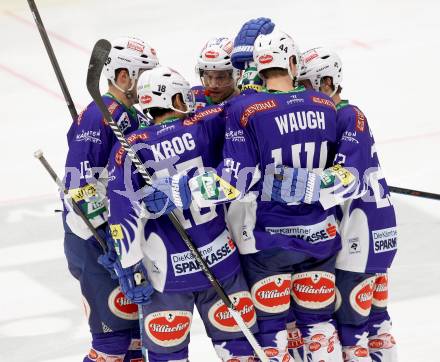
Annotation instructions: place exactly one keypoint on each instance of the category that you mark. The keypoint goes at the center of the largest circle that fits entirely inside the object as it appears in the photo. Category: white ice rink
(389, 49)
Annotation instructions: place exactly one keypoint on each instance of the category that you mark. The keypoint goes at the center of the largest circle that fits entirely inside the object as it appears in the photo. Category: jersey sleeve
(354, 154)
(239, 169)
(215, 130)
(125, 205)
(89, 144)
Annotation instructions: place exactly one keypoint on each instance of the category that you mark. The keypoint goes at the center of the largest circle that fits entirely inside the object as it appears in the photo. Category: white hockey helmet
(132, 54)
(216, 55)
(321, 62)
(156, 88)
(274, 51)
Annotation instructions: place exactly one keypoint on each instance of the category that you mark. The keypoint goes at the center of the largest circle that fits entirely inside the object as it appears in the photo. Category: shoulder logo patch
(255, 108)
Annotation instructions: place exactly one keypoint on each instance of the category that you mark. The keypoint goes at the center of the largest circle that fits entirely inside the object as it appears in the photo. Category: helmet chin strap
(333, 93)
(127, 92)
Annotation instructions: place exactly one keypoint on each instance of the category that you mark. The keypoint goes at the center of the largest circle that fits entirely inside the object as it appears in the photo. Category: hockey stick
(99, 55)
(73, 113)
(403, 191)
(39, 155)
(53, 59)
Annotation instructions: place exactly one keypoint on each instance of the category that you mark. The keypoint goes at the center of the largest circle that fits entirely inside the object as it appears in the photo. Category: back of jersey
(295, 129)
(190, 146)
(90, 141)
(368, 223)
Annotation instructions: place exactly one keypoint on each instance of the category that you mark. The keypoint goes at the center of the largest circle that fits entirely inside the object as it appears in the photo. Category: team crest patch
(121, 306)
(221, 318)
(168, 328)
(380, 291)
(272, 294)
(361, 297)
(313, 289)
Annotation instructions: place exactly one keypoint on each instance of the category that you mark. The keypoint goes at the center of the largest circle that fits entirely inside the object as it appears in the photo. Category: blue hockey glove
(289, 184)
(134, 282)
(167, 194)
(109, 258)
(245, 39)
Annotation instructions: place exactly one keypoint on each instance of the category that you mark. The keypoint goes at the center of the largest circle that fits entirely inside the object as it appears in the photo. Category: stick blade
(99, 56)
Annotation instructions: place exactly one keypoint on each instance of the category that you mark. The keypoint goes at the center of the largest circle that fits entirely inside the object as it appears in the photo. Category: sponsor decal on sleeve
(121, 306)
(221, 318)
(329, 176)
(361, 296)
(235, 136)
(124, 122)
(116, 231)
(272, 294)
(131, 139)
(324, 231)
(86, 193)
(201, 115)
(313, 289)
(215, 252)
(112, 107)
(213, 187)
(360, 120)
(349, 136)
(354, 245)
(168, 328)
(81, 115)
(323, 102)
(89, 136)
(255, 108)
(384, 240)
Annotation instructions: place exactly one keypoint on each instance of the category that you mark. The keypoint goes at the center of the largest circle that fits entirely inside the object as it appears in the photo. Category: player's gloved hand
(134, 282)
(109, 258)
(167, 194)
(289, 184)
(250, 81)
(245, 39)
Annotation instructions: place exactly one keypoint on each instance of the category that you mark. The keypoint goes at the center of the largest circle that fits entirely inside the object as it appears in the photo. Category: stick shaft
(53, 59)
(404, 191)
(75, 206)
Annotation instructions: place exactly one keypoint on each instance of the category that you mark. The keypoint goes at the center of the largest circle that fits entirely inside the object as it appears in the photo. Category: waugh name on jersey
(300, 121)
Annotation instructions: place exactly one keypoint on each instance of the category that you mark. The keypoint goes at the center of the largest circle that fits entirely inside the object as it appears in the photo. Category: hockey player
(282, 126)
(368, 225)
(216, 73)
(113, 321)
(151, 246)
(249, 82)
